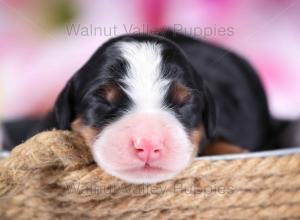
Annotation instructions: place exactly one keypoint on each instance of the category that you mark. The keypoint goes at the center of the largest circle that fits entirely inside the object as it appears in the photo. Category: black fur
(243, 116)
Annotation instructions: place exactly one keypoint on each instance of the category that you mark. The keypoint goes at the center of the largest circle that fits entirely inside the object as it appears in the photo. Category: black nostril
(140, 150)
(156, 151)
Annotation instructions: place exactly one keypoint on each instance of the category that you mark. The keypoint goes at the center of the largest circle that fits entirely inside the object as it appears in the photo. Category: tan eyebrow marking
(180, 93)
(111, 92)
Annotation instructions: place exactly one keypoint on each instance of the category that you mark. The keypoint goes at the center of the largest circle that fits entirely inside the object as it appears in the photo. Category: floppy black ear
(209, 113)
(64, 108)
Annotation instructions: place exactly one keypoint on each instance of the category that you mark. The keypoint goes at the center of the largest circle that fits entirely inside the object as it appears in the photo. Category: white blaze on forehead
(144, 81)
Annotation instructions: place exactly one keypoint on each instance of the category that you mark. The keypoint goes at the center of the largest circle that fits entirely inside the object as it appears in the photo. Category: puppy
(147, 104)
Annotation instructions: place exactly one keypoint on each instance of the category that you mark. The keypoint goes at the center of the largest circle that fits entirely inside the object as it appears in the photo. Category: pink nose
(147, 150)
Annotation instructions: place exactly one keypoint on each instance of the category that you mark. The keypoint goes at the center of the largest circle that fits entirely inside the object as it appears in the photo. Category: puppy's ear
(64, 108)
(209, 113)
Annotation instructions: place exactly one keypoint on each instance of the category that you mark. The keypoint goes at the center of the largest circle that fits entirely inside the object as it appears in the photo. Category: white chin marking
(144, 177)
(140, 175)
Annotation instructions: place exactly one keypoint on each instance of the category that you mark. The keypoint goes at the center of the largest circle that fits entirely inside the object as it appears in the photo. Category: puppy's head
(140, 107)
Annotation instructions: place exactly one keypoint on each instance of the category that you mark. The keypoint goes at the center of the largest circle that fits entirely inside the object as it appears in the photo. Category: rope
(53, 176)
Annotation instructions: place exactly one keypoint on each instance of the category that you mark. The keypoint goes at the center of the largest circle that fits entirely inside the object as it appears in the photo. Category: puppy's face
(139, 106)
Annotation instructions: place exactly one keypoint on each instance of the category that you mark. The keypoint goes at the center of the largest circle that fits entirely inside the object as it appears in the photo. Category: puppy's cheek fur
(88, 133)
(196, 137)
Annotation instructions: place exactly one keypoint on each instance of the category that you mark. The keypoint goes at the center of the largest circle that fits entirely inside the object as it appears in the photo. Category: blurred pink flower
(36, 60)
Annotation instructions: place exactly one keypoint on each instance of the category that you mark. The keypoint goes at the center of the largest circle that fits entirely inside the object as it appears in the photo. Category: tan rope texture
(53, 176)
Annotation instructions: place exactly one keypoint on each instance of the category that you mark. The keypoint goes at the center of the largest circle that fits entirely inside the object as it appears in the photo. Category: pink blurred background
(42, 43)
